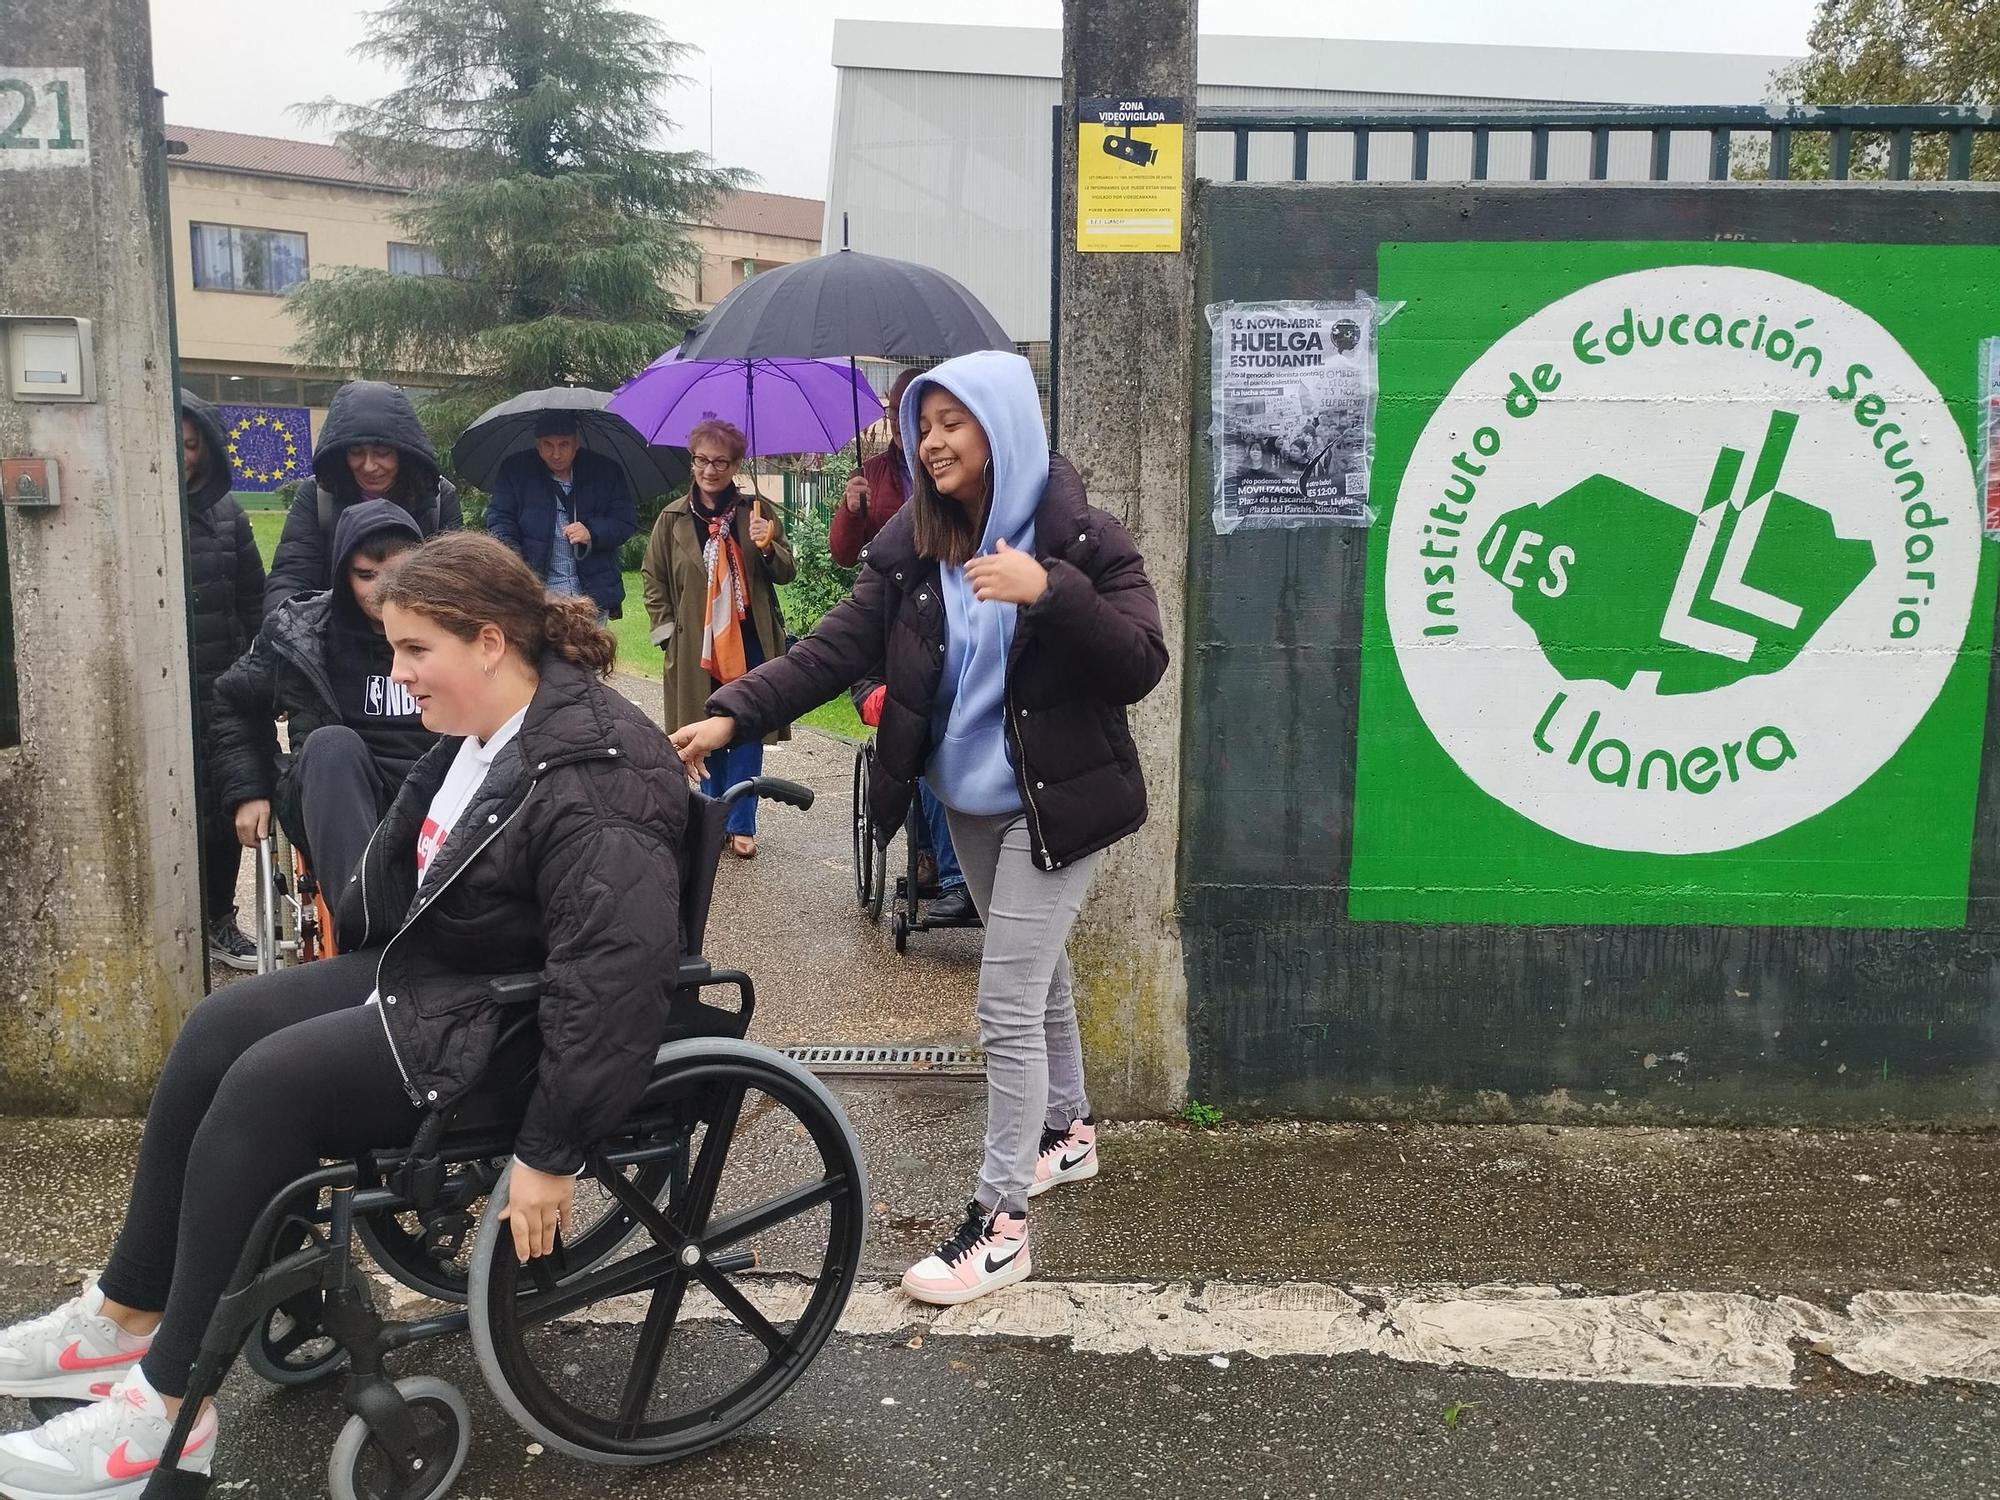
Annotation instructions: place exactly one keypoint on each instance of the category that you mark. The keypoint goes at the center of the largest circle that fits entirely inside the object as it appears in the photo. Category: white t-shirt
(461, 785)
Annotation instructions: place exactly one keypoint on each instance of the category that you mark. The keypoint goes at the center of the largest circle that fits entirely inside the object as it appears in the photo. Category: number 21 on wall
(41, 110)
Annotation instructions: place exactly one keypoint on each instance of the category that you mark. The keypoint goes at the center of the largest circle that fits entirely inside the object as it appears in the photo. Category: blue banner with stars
(267, 445)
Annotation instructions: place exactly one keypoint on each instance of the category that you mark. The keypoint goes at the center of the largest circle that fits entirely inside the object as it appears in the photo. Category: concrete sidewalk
(1821, 1216)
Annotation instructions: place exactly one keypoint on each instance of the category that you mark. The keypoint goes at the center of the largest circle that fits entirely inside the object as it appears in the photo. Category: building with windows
(252, 216)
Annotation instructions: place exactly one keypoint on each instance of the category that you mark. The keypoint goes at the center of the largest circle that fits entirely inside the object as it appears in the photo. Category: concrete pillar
(1125, 325)
(100, 952)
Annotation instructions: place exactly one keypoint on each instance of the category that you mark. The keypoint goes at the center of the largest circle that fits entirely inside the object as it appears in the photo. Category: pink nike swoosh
(73, 1361)
(118, 1466)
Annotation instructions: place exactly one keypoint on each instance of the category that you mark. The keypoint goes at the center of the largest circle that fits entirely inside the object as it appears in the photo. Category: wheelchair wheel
(361, 1469)
(290, 1348)
(864, 838)
(431, 1255)
(871, 860)
(718, 1303)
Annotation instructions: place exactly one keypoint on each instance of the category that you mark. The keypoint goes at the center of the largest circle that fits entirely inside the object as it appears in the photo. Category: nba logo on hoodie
(386, 699)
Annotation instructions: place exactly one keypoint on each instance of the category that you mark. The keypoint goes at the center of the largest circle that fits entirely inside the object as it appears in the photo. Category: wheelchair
(716, 1238)
(294, 925)
(907, 911)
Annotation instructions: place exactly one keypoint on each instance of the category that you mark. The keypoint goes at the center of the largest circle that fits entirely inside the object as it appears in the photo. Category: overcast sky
(241, 64)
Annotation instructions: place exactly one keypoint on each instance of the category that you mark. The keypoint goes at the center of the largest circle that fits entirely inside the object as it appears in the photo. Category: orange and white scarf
(722, 655)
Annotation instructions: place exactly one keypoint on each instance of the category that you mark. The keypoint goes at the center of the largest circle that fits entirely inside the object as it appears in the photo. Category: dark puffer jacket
(290, 672)
(565, 862)
(363, 411)
(225, 573)
(1087, 648)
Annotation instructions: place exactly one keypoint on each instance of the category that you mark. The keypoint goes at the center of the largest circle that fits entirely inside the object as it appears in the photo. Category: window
(277, 390)
(413, 260)
(317, 392)
(236, 390)
(201, 385)
(229, 259)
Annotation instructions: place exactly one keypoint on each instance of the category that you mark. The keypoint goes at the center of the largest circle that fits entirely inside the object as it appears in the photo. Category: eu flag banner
(267, 445)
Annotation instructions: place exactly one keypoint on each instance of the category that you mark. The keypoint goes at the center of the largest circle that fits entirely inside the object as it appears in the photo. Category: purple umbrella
(782, 405)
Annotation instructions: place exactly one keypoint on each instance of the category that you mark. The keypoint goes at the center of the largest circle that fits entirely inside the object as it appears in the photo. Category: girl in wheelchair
(541, 834)
(1012, 623)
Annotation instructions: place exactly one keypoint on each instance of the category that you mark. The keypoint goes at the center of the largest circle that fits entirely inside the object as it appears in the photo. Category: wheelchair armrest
(516, 989)
(693, 973)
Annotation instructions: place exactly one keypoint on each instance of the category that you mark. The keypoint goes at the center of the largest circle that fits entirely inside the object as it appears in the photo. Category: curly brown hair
(466, 579)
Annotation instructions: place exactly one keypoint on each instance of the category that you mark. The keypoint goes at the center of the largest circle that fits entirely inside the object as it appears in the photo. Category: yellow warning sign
(1128, 174)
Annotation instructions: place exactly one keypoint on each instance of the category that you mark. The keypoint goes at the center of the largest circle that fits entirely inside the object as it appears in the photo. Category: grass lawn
(636, 652)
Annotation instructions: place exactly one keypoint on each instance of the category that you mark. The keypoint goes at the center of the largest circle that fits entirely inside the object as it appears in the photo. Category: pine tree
(526, 130)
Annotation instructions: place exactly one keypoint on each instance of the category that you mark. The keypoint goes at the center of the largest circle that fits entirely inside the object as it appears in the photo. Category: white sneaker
(105, 1451)
(987, 1253)
(74, 1353)
(1067, 1156)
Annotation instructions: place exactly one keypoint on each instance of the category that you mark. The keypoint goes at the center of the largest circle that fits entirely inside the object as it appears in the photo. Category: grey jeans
(1027, 1013)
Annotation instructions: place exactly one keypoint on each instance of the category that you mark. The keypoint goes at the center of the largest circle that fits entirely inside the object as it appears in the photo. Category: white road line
(1720, 1340)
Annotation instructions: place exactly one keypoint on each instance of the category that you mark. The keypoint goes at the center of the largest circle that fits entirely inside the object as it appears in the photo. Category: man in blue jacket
(567, 511)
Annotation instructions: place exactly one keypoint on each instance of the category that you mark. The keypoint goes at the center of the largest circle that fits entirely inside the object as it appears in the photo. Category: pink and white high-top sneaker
(1067, 1156)
(988, 1251)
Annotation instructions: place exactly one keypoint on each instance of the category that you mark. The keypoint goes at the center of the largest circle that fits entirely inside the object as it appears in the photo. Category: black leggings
(267, 1078)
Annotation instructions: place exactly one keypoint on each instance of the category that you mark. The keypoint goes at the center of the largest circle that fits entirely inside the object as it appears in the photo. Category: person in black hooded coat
(225, 607)
(323, 663)
(371, 447)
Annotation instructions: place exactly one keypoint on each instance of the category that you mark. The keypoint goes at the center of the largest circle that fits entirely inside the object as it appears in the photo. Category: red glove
(871, 706)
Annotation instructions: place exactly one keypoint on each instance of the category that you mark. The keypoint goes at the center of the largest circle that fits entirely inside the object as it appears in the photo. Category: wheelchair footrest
(176, 1485)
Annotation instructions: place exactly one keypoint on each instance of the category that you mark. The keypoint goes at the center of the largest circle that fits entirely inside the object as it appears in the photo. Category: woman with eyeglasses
(712, 567)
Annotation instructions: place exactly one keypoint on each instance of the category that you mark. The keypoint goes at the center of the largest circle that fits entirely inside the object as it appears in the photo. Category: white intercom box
(50, 359)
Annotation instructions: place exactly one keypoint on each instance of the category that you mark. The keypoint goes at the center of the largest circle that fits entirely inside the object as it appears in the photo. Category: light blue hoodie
(970, 769)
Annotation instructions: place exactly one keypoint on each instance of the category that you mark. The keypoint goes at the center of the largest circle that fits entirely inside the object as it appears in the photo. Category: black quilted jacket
(225, 573)
(566, 863)
(1088, 647)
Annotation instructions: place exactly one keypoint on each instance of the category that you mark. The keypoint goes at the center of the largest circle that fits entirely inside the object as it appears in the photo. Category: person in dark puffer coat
(543, 837)
(1011, 623)
(370, 447)
(225, 607)
(323, 664)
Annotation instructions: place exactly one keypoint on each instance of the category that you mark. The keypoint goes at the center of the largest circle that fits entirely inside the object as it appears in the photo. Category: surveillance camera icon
(1129, 148)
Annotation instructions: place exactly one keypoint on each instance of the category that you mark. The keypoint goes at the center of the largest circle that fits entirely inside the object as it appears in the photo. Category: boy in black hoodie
(225, 607)
(323, 661)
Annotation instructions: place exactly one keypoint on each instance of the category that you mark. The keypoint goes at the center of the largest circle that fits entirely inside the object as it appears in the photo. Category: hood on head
(208, 422)
(356, 524)
(999, 390)
(372, 411)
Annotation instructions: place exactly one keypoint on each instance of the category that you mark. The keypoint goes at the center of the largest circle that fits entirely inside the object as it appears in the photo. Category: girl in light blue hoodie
(1012, 623)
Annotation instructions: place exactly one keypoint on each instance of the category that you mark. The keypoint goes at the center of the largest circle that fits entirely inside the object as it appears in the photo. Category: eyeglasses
(715, 463)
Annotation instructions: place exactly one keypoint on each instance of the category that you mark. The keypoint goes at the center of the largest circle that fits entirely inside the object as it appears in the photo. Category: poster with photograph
(1989, 432)
(1293, 411)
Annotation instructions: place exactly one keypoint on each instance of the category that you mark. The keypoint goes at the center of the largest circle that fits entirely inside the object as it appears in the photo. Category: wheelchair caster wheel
(902, 933)
(361, 1469)
(289, 1348)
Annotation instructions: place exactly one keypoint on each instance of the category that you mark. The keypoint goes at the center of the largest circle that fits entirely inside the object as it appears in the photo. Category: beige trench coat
(677, 597)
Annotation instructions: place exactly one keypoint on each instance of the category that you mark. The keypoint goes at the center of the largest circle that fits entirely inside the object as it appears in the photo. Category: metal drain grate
(930, 1061)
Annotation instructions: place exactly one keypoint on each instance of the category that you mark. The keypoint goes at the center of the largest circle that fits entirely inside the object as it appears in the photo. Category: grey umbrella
(845, 304)
(509, 428)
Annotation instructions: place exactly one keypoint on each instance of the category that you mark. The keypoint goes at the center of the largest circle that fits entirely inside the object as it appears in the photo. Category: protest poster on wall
(1292, 404)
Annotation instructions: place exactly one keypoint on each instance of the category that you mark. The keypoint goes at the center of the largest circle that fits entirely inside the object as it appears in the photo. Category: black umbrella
(842, 305)
(845, 304)
(509, 428)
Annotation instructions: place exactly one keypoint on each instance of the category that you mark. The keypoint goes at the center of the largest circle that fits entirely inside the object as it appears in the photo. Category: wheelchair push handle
(776, 788)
